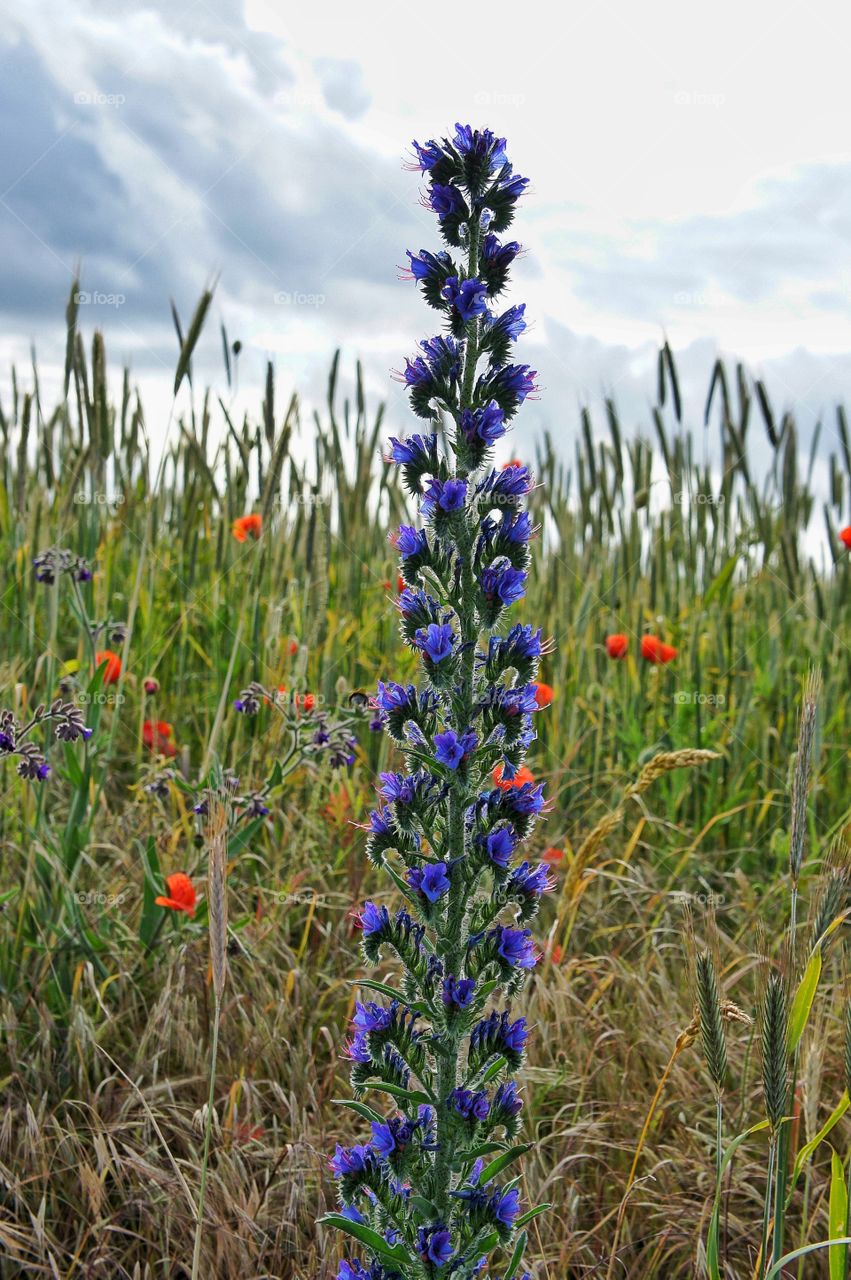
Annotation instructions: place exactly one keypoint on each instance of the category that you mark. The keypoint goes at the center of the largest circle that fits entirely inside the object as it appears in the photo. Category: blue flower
(530, 883)
(468, 297)
(506, 1101)
(484, 426)
(417, 450)
(383, 1141)
(500, 845)
(458, 991)
(509, 325)
(436, 641)
(447, 201)
(373, 919)
(505, 1206)
(516, 947)
(349, 1160)
(354, 1215)
(504, 583)
(428, 266)
(435, 1244)
(371, 1017)
(449, 495)
(428, 155)
(411, 542)
(431, 880)
(356, 1049)
(450, 749)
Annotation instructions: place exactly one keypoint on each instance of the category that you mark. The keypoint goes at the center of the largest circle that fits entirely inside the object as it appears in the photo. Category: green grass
(106, 1001)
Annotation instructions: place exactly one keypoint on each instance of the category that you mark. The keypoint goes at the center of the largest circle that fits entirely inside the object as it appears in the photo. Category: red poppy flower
(181, 894)
(247, 526)
(845, 536)
(521, 776)
(556, 953)
(293, 647)
(151, 686)
(156, 736)
(113, 665)
(552, 856)
(654, 650)
(544, 694)
(513, 462)
(617, 645)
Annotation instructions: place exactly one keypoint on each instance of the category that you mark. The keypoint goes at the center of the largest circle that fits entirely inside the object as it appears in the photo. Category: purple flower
(509, 325)
(435, 1244)
(500, 845)
(458, 991)
(373, 919)
(431, 880)
(506, 1100)
(450, 749)
(383, 1141)
(356, 1048)
(436, 641)
(505, 1206)
(468, 297)
(411, 542)
(484, 426)
(348, 1160)
(417, 450)
(531, 883)
(446, 201)
(371, 1017)
(516, 947)
(448, 495)
(504, 583)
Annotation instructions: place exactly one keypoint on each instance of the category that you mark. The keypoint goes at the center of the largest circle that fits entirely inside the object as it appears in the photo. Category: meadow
(670, 833)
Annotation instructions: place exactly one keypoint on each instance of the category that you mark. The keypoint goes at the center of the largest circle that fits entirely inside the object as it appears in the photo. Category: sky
(690, 177)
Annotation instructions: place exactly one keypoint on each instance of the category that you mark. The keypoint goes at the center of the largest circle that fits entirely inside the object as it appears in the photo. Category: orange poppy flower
(845, 536)
(247, 526)
(521, 776)
(552, 856)
(654, 650)
(181, 894)
(293, 648)
(556, 953)
(617, 645)
(512, 462)
(544, 694)
(156, 736)
(113, 665)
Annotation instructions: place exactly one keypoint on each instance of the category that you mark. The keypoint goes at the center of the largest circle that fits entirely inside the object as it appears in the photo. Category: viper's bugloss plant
(431, 1190)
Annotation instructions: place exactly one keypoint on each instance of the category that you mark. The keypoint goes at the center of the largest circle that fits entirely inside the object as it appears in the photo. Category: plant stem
(208, 1128)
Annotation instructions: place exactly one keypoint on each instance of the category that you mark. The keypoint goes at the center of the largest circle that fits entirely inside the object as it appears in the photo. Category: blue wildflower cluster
(430, 1191)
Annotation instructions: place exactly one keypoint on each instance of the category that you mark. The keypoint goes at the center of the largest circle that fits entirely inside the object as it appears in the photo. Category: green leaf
(151, 913)
(532, 1213)
(777, 1269)
(712, 1247)
(192, 335)
(516, 1256)
(496, 1166)
(803, 1000)
(719, 584)
(494, 1069)
(837, 1215)
(370, 1238)
(808, 1149)
(361, 1108)
(415, 1096)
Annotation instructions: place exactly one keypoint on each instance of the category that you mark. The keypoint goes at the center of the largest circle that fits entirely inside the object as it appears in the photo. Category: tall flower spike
(418, 1193)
